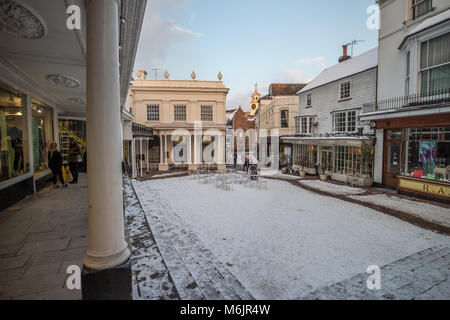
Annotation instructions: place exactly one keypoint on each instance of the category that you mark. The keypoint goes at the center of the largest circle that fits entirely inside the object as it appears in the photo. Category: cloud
(316, 60)
(157, 36)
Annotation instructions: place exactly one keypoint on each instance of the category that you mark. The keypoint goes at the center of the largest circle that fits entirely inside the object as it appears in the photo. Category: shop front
(416, 155)
(26, 130)
(343, 159)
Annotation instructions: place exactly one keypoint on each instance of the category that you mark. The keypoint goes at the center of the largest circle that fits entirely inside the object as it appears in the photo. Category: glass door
(392, 157)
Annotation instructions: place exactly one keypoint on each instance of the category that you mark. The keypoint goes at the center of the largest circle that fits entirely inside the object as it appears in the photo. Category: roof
(428, 23)
(363, 62)
(230, 114)
(285, 89)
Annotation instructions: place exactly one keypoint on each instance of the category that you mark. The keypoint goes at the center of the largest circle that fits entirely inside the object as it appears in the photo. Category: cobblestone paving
(421, 276)
(39, 238)
(151, 279)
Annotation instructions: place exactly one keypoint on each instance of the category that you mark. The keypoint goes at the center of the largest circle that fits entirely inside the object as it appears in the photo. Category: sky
(250, 41)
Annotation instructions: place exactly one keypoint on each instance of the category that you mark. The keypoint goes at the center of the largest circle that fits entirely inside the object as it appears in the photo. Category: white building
(412, 112)
(329, 135)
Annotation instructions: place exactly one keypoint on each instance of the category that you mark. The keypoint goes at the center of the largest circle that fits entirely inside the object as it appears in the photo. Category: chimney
(142, 75)
(345, 56)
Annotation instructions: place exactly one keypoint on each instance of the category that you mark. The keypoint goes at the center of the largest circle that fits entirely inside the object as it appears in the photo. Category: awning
(331, 141)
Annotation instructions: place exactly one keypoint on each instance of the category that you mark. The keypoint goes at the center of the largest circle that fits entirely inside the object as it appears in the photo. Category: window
(426, 153)
(284, 118)
(206, 113)
(309, 100)
(42, 133)
(153, 112)
(420, 7)
(353, 161)
(305, 155)
(408, 70)
(345, 121)
(14, 157)
(435, 65)
(304, 124)
(345, 90)
(179, 113)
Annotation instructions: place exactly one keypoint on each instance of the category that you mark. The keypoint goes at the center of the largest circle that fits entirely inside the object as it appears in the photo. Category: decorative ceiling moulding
(62, 81)
(76, 100)
(18, 20)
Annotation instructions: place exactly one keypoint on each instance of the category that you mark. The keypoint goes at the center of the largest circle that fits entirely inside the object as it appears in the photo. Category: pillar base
(163, 167)
(109, 284)
(221, 166)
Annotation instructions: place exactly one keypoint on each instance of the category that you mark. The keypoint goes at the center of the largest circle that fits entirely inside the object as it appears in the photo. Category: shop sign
(425, 187)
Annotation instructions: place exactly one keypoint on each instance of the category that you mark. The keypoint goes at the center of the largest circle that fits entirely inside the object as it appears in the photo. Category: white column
(133, 158)
(147, 154)
(140, 156)
(161, 151)
(107, 246)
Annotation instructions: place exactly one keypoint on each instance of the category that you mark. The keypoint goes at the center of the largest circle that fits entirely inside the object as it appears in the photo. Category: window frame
(345, 115)
(340, 98)
(175, 113)
(309, 100)
(286, 126)
(415, 5)
(202, 113)
(149, 112)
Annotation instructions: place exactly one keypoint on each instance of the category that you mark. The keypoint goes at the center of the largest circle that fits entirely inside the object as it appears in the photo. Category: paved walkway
(39, 237)
(421, 276)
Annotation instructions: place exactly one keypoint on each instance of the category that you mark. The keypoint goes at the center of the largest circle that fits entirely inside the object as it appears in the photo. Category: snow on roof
(230, 114)
(441, 17)
(365, 61)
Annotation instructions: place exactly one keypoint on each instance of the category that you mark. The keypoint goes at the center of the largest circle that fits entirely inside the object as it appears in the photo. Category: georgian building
(187, 118)
(329, 135)
(412, 113)
(277, 112)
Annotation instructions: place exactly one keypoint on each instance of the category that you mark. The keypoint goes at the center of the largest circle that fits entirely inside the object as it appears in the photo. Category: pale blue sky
(250, 41)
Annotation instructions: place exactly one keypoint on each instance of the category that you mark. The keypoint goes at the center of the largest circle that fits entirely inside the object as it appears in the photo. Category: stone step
(210, 275)
(408, 278)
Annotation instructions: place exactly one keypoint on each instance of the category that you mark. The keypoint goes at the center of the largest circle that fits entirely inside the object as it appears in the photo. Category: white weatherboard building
(412, 112)
(329, 136)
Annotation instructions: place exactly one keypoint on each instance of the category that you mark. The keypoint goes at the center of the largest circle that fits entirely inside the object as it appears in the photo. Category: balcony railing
(413, 100)
(141, 131)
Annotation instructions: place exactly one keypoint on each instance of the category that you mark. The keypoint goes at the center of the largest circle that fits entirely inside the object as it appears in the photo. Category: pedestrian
(55, 164)
(74, 157)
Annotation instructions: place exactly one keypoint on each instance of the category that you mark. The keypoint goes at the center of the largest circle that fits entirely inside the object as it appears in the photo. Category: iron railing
(141, 131)
(414, 100)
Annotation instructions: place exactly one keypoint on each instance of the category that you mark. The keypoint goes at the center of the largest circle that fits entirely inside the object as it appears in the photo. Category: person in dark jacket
(74, 157)
(55, 164)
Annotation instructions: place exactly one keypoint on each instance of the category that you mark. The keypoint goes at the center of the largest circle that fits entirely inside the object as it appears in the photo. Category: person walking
(55, 164)
(74, 157)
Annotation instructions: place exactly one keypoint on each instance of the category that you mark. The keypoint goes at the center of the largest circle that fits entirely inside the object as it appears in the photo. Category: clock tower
(254, 104)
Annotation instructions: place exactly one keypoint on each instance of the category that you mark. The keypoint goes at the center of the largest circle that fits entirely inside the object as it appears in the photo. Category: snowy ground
(423, 210)
(286, 242)
(332, 188)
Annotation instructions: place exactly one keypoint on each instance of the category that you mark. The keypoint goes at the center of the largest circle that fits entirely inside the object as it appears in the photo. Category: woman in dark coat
(55, 164)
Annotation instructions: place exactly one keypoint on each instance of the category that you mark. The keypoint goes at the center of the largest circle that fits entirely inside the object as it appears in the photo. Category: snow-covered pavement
(285, 242)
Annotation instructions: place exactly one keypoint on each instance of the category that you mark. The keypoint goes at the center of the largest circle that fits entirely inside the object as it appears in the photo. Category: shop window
(427, 154)
(354, 161)
(14, 156)
(42, 133)
(305, 155)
